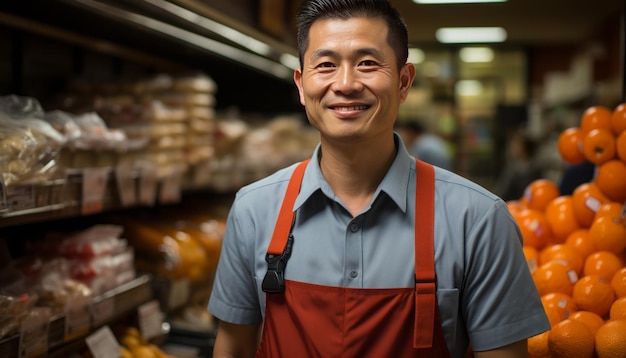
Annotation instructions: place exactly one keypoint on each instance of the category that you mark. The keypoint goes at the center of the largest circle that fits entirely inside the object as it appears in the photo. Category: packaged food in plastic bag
(29, 146)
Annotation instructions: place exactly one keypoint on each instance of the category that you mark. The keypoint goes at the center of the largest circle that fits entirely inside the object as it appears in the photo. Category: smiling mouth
(349, 108)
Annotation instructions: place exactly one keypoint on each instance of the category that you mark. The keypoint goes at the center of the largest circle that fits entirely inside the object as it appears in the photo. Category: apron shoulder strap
(279, 250)
(286, 214)
(425, 288)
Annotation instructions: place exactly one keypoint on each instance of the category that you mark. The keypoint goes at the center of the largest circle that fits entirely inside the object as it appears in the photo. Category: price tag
(77, 320)
(148, 185)
(102, 344)
(171, 188)
(202, 175)
(94, 187)
(20, 197)
(125, 180)
(102, 311)
(34, 336)
(178, 293)
(150, 320)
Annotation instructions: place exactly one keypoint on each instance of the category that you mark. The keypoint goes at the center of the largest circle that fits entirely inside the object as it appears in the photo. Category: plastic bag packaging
(55, 288)
(97, 240)
(64, 123)
(29, 146)
(16, 299)
(19, 107)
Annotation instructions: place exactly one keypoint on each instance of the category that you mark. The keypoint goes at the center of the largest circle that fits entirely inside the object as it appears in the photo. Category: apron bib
(309, 320)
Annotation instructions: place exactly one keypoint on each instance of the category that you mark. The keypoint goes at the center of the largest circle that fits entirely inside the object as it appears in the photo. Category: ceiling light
(467, 88)
(290, 60)
(416, 55)
(454, 1)
(476, 54)
(470, 34)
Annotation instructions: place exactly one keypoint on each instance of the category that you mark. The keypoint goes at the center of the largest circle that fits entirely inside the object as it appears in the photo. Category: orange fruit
(618, 119)
(565, 254)
(611, 179)
(532, 257)
(596, 117)
(534, 227)
(618, 309)
(586, 200)
(560, 216)
(579, 240)
(571, 338)
(539, 193)
(618, 282)
(599, 146)
(594, 294)
(558, 306)
(592, 320)
(611, 339)
(611, 209)
(570, 145)
(514, 206)
(554, 276)
(603, 264)
(620, 143)
(608, 234)
(538, 346)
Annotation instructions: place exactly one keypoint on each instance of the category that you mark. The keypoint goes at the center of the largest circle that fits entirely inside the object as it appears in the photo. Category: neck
(355, 171)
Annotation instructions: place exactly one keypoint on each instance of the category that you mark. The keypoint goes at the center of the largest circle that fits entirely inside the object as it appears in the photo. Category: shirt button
(354, 273)
(354, 227)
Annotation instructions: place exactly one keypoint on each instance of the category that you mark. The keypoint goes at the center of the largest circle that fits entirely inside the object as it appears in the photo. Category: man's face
(350, 84)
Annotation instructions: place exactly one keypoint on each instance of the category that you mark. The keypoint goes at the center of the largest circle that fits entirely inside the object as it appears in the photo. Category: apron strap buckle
(274, 280)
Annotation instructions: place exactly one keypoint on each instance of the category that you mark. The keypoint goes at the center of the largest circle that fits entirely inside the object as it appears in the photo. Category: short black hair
(313, 10)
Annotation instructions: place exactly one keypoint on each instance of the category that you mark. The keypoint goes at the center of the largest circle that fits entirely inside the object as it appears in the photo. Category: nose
(347, 81)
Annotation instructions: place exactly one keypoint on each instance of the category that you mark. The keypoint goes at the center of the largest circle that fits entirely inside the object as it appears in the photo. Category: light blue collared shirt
(485, 290)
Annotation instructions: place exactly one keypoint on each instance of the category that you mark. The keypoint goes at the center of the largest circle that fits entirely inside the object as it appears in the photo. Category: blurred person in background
(521, 167)
(424, 145)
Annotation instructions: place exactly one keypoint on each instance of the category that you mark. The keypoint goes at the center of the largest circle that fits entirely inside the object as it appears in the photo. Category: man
(347, 269)
(425, 146)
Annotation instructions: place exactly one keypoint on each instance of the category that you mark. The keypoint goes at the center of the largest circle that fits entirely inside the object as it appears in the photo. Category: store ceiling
(527, 22)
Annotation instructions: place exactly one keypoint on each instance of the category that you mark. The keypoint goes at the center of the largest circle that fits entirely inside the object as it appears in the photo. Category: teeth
(351, 108)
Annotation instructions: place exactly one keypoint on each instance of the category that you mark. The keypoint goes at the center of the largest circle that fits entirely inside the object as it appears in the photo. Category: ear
(407, 75)
(297, 78)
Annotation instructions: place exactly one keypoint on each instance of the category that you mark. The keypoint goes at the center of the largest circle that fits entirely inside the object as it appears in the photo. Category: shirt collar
(395, 183)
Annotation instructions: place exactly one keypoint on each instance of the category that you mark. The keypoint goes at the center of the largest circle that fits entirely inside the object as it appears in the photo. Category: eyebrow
(360, 52)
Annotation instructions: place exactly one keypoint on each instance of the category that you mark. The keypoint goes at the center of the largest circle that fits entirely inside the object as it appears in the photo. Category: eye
(368, 63)
(325, 65)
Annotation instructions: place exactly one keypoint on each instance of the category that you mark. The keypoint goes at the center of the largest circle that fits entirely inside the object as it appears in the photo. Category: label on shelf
(34, 336)
(150, 320)
(20, 197)
(147, 185)
(202, 175)
(179, 292)
(126, 187)
(102, 311)
(77, 319)
(102, 344)
(94, 187)
(170, 190)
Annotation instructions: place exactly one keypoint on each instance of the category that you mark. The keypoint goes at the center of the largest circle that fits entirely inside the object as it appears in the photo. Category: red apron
(308, 320)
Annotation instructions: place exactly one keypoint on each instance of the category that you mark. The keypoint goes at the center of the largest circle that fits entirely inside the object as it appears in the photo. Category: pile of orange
(575, 244)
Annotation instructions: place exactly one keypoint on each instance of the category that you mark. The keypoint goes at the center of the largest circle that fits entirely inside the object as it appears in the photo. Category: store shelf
(120, 302)
(64, 198)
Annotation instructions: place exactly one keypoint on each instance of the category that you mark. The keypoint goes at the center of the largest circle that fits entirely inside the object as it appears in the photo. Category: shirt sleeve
(500, 301)
(234, 296)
